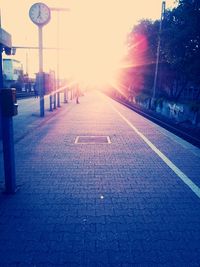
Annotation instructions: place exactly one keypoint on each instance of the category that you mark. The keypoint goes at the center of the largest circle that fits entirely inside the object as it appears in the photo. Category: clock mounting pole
(41, 82)
(40, 15)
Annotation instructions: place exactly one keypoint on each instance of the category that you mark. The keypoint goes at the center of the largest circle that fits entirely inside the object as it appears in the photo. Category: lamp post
(158, 55)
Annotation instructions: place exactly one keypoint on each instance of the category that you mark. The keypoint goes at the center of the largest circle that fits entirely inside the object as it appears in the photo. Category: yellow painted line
(167, 161)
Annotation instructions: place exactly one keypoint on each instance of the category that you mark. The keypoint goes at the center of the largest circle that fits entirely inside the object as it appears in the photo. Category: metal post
(158, 53)
(58, 59)
(66, 95)
(9, 109)
(58, 9)
(50, 102)
(54, 101)
(1, 86)
(6, 133)
(41, 89)
(26, 62)
(1, 67)
(8, 154)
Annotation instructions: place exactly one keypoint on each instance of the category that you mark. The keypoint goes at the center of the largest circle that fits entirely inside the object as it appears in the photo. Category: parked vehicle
(13, 73)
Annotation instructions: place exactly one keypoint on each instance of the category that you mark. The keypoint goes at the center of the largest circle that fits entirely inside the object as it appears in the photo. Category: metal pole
(1, 85)
(6, 133)
(26, 62)
(1, 67)
(158, 53)
(58, 59)
(41, 88)
(58, 9)
(66, 95)
(50, 102)
(0, 17)
(54, 101)
(9, 155)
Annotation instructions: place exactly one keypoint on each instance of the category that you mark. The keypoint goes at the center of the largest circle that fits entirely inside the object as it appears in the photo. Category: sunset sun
(96, 43)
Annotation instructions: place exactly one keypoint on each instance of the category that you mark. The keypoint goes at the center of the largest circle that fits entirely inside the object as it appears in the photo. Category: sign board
(5, 38)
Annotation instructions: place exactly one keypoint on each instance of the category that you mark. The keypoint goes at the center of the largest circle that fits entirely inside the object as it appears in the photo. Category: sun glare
(95, 42)
(91, 35)
(93, 65)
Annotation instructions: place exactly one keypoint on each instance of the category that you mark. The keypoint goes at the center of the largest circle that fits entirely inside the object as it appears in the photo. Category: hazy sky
(91, 29)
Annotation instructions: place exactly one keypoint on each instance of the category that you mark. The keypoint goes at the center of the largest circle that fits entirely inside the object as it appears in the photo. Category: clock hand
(39, 13)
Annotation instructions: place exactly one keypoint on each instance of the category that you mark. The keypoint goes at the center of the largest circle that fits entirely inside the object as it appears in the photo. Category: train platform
(100, 186)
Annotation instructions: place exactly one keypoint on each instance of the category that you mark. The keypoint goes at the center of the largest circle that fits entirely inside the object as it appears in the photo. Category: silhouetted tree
(180, 47)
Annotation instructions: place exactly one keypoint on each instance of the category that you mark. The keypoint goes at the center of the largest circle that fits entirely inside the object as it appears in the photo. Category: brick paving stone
(115, 205)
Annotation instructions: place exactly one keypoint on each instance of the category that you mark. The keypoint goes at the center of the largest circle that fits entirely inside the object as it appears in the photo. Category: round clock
(40, 14)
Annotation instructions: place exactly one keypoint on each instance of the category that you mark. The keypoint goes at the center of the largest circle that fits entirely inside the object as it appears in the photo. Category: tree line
(179, 54)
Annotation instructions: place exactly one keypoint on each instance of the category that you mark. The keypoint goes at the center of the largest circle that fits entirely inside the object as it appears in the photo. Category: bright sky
(92, 33)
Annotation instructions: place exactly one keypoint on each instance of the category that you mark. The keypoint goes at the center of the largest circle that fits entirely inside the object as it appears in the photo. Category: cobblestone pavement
(93, 205)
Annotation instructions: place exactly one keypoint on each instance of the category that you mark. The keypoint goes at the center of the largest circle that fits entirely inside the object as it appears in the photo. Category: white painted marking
(76, 140)
(169, 163)
(108, 140)
(193, 149)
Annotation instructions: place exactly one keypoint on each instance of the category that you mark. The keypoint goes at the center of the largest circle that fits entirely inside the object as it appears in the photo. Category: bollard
(50, 103)
(42, 112)
(58, 100)
(54, 101)
(65, 96)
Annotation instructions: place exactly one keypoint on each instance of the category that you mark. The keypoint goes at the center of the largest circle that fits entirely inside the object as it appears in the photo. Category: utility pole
(158, 54)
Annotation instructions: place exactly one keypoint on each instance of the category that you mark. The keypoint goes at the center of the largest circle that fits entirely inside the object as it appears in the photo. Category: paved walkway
(116, 205)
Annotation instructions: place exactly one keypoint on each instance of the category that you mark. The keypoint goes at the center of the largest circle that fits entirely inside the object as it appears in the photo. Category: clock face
(39, 14)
